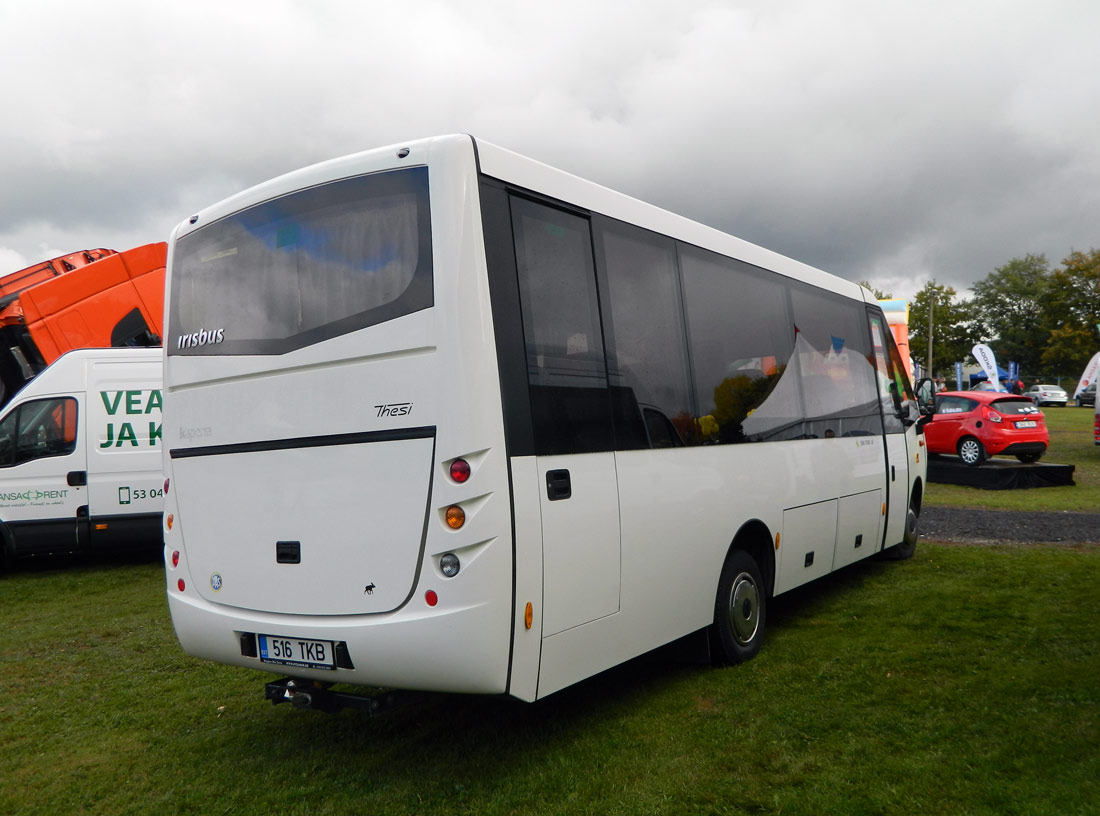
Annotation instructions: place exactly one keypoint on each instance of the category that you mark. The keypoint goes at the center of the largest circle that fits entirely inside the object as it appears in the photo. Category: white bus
(440, 417)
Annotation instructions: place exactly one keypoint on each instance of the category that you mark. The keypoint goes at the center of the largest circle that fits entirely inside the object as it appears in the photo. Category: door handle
(77, 478)
(558, 485)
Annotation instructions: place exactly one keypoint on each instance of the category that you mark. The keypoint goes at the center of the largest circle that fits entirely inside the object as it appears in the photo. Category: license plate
(1027, 423)
(293, 651)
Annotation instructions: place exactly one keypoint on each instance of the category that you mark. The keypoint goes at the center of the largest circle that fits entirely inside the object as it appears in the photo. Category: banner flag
(1013, 373)
(1089, 375)
(984, 355)
(958, 376)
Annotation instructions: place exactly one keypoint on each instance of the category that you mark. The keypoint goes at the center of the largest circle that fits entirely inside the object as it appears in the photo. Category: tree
(952, 334)
(1008, 309)
(1072, 312)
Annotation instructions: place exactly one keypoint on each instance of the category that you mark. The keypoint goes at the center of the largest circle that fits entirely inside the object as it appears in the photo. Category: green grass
(1071, 443)
(964, 681)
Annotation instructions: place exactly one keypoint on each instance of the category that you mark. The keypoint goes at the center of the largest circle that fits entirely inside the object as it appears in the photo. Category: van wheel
(971, 451)
(740, 610)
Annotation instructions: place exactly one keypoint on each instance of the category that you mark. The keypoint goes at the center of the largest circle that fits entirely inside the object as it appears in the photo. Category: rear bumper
(462, 650)
(1016, 441)
(1025, 447)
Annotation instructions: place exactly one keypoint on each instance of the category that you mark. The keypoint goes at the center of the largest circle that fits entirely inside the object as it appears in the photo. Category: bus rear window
(305, 267)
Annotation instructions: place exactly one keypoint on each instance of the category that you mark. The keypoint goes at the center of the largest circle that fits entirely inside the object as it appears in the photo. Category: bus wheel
(740, 610)
(908, 546)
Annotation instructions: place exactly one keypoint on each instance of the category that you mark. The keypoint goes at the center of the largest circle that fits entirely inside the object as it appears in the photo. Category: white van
(80, 455)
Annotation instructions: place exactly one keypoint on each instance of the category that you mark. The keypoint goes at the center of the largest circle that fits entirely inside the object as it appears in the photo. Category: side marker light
(528, 615)
(182, 586)
(431, 598)
(456, 517)
(175, 558)
(170, 518)
(777, 541)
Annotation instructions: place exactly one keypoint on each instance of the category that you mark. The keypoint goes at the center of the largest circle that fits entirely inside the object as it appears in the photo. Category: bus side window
(891, 372)
(741, 338)
(644, 334)
(566, 372)
(839, 394)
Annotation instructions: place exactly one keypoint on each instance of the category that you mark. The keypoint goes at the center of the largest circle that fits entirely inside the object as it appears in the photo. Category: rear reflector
(460, 470)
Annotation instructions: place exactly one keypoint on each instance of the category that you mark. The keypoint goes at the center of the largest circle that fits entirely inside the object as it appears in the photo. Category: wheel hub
(744, 608)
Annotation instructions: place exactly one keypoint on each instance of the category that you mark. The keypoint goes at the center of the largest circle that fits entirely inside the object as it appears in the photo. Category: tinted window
(892, 379)
(1022, 405)
(304, 267)
(741, 337)
(38, 429)
(566, 373)
(957, 405)
(833, 353)
(644, 333)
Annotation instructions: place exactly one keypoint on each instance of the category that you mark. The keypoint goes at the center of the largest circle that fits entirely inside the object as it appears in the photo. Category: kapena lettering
(203, 337)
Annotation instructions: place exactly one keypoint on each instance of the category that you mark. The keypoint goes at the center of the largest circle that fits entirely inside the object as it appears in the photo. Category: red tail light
(460, 470)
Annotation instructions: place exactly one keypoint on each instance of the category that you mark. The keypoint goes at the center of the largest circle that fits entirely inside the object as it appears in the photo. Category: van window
(37, 429)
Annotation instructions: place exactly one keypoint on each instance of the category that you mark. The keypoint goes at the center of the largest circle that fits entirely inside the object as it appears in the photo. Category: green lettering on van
(112, 407)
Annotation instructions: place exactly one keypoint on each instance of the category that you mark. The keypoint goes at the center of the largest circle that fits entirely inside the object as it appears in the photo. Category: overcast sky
(889, 141)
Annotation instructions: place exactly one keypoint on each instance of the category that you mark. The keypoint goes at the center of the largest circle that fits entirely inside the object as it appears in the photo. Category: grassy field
(1071, 443)
(965, 681)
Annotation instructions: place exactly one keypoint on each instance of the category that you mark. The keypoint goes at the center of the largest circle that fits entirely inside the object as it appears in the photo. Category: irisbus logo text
(203, 337)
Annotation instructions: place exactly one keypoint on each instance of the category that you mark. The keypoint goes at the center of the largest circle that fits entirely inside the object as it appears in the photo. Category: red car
(977, 424)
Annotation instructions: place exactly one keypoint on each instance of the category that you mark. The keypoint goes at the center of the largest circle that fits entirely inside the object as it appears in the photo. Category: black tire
(1028, 458)
(971, 451)
(908, 546)
(740, 610)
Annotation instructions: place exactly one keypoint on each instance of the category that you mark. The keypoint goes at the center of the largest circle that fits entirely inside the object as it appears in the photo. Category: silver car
(1047, 395)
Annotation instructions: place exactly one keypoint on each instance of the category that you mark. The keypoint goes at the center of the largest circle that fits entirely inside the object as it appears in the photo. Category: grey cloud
(896, 141)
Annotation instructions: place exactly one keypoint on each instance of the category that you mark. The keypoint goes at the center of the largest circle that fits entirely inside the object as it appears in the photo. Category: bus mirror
(926, 396)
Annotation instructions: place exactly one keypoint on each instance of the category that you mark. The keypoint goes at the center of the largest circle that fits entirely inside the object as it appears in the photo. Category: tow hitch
(312, 695)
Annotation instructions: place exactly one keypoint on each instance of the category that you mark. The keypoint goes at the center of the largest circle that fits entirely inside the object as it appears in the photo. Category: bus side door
(892, 377)
(570, 414)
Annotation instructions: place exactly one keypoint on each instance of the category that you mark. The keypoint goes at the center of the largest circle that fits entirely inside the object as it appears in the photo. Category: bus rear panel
(328, 359)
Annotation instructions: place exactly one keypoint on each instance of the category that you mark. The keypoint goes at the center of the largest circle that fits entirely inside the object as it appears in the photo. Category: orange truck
(92, 299)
